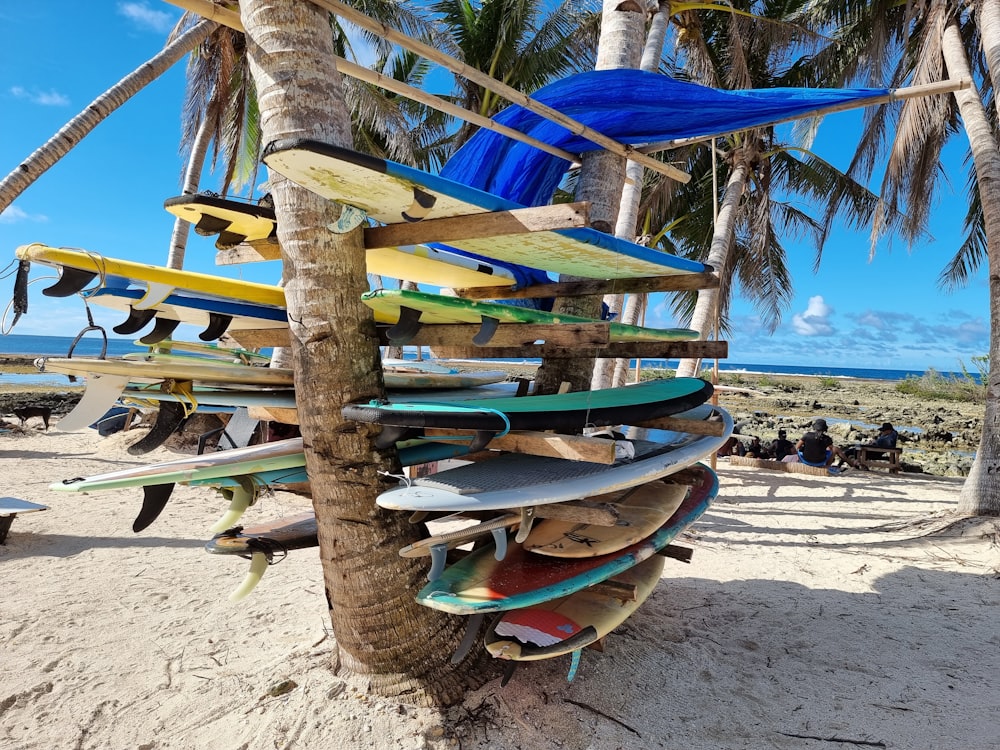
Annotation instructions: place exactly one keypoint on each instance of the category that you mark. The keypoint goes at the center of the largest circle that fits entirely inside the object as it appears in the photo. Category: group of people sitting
(814, 448)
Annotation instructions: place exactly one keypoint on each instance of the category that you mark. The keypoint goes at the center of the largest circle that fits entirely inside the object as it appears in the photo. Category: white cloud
(145, 17)
(14, 215)
(815, 320)
(44, 98)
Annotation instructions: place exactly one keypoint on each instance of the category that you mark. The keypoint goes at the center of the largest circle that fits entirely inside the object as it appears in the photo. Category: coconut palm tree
(380, 629)
(925, 42)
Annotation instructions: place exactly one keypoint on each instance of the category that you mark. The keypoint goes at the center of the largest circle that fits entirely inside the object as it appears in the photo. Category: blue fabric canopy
(631, 106)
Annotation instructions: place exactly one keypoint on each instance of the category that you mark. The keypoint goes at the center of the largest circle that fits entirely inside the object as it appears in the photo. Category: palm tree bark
(97, 111)
(602, 175)
(981, 491)
(613, 373)
(381, 631)
(192, 179)
(703, 318)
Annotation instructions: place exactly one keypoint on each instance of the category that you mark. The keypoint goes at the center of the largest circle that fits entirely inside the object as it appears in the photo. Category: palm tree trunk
(607, 371)
(192, 179)
(601, 178)
(381, 631)
(703, 319)
(80, 126)
(981, 492)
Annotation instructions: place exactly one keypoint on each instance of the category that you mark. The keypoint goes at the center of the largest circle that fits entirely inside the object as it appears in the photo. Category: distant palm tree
(524, 43)
(922, 42)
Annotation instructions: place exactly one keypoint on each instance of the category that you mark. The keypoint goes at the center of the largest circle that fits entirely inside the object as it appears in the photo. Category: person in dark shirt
(781, 446)
(886, 438)
(816, 448)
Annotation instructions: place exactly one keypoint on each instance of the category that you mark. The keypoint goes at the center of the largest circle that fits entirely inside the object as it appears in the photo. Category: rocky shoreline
(938, 437)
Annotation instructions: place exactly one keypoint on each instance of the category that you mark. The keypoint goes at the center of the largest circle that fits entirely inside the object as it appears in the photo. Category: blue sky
(107, 196)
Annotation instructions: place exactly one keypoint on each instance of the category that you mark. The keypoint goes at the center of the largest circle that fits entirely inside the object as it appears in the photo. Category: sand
(817, 612)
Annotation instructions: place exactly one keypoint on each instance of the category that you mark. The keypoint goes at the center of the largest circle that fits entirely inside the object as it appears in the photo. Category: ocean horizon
(90, 346)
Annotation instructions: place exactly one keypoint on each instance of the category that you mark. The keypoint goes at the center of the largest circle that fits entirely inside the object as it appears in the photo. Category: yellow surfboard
(160, 282)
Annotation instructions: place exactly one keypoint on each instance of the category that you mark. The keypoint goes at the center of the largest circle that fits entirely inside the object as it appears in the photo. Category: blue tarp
(633, 107)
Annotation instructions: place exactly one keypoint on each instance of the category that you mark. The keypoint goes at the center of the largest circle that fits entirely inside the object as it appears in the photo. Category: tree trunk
(611, 373)
(192, 179)
(981, 492)
(80, 126)
(380, 630)
(601, 178)
(703, 318)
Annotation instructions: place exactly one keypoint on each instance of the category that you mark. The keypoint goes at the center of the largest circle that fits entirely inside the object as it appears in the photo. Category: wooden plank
(570, 447)
(676, 552)
(636, 350)
(260, 338)
(588, 287)
(274, 414)
(476, 226)
(510, 335)
(693, 426)
(255, 251)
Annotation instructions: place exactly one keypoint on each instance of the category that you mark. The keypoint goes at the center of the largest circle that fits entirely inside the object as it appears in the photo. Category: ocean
(90, 346)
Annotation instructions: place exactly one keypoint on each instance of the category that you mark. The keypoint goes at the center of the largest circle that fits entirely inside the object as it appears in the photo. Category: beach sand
(817, 612)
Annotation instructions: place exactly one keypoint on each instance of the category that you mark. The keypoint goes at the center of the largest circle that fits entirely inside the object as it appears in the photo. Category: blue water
(90, 346)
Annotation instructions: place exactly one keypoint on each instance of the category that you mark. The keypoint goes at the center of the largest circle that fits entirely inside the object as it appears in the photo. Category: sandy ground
(817, 612)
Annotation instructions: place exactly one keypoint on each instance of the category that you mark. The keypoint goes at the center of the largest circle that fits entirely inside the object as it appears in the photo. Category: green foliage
(934, 385)
(830, 384)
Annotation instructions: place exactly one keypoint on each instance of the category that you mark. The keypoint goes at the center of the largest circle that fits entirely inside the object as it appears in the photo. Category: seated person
(886, 438)
(755, 449)
(781, 446)
(816, 448)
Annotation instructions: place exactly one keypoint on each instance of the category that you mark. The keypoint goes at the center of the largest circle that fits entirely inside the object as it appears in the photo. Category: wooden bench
(9, 508)
(873, 457)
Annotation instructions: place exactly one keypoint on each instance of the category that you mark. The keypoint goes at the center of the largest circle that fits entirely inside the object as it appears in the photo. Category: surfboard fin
(422, 204)
(528, 515)
(508, 672)
(574, 665)
(481, 439)
(228, 240)
(405, 328)
(217, 325)
(71, 281)
(240, 498)
(137, 320)
(258, 566)
(439, 558)
(168, 418)
(161, 330)
(209, 225)
(390, 435)
(500, 542)
(154, 500)
(471, 631)
(487, 329)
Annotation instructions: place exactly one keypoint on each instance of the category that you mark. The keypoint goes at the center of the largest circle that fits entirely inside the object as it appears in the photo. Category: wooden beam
(637, 350)
(249, 252)
(511, 335)
(694, 426)
(260, 338)
(569, 447)
(274, 414)
(671, 283)
(476, 226)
